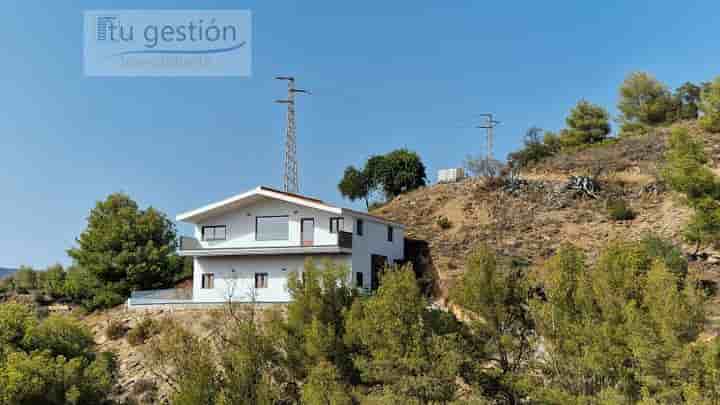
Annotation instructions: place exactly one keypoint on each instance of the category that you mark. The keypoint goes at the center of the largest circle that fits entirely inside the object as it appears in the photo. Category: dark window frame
(302, 229)
(359, 227)
(338, 222)
(390, 232)
(271, 216)
(213, 227)
(359, 279)
(205, 285)
(262, 277)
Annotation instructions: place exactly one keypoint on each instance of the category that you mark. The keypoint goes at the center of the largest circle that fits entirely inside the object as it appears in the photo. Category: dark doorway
(377, 266)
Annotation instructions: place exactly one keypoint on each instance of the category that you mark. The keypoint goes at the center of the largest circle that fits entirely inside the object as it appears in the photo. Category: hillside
(5, 272)
(526, 219)
(531, 218)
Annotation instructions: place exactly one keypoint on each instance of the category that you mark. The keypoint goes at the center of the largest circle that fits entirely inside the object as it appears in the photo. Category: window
(214, 232)
(359, 227)
(359, 280)
(336, 224)
(261, 280)
(208, 280)
(390, 233)
(271, 228)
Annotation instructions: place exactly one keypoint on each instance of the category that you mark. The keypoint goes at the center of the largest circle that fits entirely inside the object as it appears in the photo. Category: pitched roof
(260, 192)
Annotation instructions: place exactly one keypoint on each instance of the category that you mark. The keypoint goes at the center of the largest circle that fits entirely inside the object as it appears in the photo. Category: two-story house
(251, 242)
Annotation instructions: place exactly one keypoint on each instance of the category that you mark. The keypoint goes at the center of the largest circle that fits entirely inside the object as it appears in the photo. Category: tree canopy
(126, 247)
(394, 173)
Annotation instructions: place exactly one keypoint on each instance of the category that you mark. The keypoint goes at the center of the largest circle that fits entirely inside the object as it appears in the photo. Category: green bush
(50, 362)
(710, 106)
(645, 100)
(61, 335)
(115, 330)
(25, 280)
(103, 299)
(15, 321)
(619, 210)
(143, 331)
(444, 223)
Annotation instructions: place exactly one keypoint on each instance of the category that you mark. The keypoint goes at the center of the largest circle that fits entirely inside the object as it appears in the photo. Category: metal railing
(166, 296)
(344, 240)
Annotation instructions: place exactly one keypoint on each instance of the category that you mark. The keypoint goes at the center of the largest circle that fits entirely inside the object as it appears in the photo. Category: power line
(290, 163)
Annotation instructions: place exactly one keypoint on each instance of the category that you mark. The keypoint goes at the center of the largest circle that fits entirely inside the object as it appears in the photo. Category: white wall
(374, 241)
(241, 225)
(241, 282)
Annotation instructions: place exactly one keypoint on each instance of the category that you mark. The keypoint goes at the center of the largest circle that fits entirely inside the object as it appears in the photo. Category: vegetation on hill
(392, 174)
(546, 292)
(50, 361)
(123, 248)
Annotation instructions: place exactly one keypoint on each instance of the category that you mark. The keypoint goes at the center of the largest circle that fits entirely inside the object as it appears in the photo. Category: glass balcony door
(307, 230)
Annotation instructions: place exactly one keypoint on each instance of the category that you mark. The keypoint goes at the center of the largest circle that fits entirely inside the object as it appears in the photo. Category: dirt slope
(531, 221)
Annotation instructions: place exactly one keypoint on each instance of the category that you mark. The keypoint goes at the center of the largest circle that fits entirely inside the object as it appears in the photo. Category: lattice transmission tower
(290, 162)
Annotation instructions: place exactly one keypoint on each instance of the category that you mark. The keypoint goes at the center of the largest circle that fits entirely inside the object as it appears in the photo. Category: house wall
(238, 284)
(241, 225)
(374, 241)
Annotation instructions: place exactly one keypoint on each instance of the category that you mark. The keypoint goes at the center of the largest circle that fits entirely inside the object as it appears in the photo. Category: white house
(251, 242)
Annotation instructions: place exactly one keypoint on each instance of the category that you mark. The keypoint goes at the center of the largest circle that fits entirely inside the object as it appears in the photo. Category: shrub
(710, 106)
(115, 330)
(61, 335)
(444, 223)
(619, 210)
(25, 280)
(535, 149)
(15, 321)
(142, 332)
(103, 298)
(54, 281)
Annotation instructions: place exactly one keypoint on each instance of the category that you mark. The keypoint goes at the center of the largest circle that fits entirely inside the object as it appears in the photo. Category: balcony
(192, 247)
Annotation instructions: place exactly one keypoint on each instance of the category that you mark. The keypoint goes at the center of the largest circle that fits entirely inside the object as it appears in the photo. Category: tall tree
(587, 123)
(126, 247)
(396, 348)
(686, 100)
(644, 101)
(616, 328)
(494, 298)
(355, 185)
(686, 171)
(401, 171)
(395, 173)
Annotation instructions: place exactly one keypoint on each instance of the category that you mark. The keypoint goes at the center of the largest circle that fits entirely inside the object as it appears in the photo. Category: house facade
(250, 243)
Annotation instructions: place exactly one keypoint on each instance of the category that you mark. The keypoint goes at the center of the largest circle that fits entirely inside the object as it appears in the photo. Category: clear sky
(385, 74)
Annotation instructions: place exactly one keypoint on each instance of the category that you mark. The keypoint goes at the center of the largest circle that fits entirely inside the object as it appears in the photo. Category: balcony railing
(344, 240)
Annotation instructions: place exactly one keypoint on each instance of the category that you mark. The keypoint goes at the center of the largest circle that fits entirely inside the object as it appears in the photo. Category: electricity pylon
(290, 163)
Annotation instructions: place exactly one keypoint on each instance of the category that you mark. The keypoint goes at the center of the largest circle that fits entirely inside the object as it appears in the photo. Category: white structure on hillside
(251, 243)
(450, 175)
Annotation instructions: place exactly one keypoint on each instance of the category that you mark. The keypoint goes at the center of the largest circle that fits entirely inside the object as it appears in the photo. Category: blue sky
(384, 75)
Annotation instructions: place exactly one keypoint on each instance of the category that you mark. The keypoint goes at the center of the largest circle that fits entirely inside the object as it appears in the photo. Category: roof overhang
(251, 197)
(259, 193)
(370, 217)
